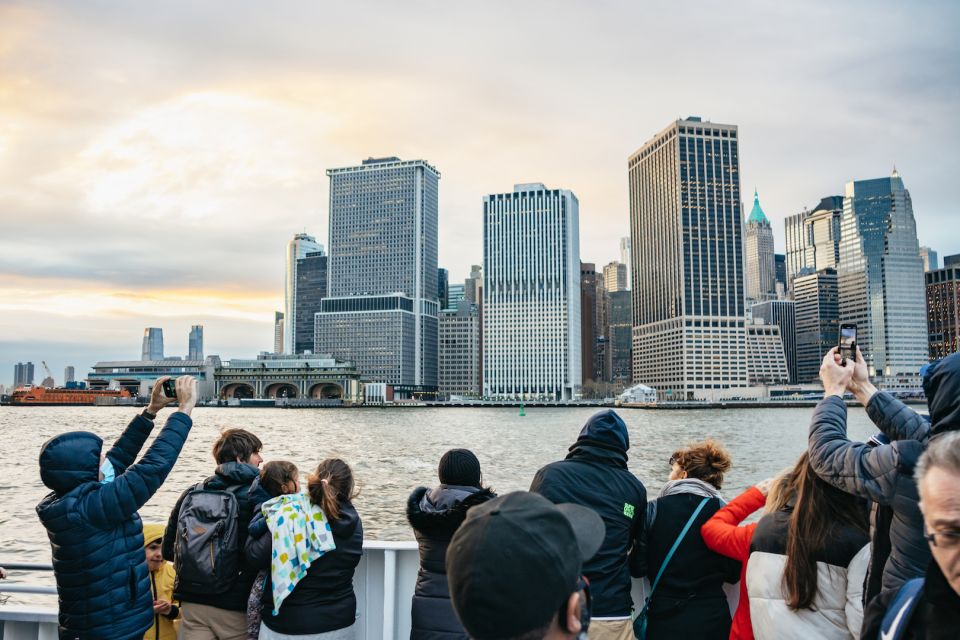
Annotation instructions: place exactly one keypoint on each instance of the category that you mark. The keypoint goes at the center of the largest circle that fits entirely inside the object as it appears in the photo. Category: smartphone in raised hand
(847, 345)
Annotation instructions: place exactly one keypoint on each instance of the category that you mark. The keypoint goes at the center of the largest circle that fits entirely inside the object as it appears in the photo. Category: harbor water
(393, 450)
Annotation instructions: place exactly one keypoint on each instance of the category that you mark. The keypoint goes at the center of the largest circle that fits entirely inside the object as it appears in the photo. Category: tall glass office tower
(298, 248)
(686, 225)
(531, 294)
(381, 312)
(152, 344)
(195, 351)
(880, 279)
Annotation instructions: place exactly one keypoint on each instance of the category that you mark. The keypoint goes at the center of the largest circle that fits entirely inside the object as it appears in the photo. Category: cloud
(158, 154)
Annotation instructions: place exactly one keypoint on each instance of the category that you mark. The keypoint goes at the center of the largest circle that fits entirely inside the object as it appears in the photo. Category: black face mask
(583, 586)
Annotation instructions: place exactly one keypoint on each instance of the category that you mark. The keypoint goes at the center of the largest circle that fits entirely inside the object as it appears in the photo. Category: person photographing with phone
(884, 473)
(103, 581)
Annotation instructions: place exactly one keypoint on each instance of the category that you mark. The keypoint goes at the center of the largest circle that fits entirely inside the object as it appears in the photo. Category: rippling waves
(394, 450)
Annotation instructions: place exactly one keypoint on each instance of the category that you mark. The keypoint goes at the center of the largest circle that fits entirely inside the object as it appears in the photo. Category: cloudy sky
(156, 157)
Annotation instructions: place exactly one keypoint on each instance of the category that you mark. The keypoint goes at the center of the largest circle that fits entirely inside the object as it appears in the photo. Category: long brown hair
(331, 483)
(785, 486)
(821, 510)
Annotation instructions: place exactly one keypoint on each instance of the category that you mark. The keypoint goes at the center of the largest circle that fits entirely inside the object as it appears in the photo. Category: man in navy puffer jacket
(92, 522)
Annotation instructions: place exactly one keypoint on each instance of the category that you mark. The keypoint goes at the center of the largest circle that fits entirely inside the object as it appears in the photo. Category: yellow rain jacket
(161, 581)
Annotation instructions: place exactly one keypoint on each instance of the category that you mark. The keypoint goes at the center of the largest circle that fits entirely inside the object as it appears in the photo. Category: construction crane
(47, 369)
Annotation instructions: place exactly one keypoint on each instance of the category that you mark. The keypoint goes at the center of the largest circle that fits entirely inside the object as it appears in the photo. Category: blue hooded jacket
(95, 533)
(595, 475)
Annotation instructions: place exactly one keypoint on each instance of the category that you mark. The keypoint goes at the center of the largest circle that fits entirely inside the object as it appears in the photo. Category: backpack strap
(676, 544)
(897, 617)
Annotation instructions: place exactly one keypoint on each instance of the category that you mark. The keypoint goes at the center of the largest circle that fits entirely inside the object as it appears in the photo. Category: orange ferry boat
(43, 396)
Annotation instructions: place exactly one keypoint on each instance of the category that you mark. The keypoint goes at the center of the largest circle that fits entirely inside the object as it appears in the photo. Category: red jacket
(722, 534)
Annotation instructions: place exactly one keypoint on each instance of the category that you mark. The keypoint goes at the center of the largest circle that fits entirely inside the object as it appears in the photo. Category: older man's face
(940, 496)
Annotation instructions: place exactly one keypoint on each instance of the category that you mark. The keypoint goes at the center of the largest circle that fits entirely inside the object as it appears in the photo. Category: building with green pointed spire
(761, 269)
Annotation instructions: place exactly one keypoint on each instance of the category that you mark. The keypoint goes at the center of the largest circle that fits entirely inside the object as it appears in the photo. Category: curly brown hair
(707, 461)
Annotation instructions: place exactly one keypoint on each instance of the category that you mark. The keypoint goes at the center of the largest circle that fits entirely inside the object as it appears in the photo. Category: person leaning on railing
(92, 522)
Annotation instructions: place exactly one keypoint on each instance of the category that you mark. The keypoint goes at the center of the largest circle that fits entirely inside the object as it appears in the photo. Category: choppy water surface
(394, 450)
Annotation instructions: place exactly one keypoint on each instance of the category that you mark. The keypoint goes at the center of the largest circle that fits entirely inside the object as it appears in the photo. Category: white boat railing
(384, 583)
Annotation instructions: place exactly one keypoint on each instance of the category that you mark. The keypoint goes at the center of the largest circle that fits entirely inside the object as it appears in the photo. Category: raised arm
(127, 447)
(896, 420)
(722, 533)
(854, 467)
(118, 500)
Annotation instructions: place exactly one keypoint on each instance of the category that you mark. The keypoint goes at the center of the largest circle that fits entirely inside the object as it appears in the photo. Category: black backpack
(207, 553)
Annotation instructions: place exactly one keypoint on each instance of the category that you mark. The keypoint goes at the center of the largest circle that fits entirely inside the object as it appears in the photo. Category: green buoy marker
(522, 412)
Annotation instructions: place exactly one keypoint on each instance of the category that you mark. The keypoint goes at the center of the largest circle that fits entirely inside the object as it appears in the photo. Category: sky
(155, 158)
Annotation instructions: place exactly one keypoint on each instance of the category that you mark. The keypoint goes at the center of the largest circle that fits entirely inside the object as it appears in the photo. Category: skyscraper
(473, 286)
(619, 338)
(930, 259)
(943, 311)
(817, 313)
(689, 334)
(761, 271)
(278, 331)
(782, 313)
(443, 288)
(780, 267)
(310, 291)
(298, 248)
(460, 372)
(69, 375)
(22, 374)
(625, 258)
(196, 343)
(382, 310)
(813, 238)
(880, 279)
(767, 364)
(152, 344)
(588, 321)
(615, 277)
(531, 294)
(456, 293)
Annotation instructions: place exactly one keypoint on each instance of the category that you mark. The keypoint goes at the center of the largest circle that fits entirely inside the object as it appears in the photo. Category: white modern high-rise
(615, 277)
(761, 271)
(880, 279)
(625, 259)
(152, 344)
(813, 239)
(69, 375)
(689, 326)
(278, 331)
(298, 248)
(531, 294)
(931, 261)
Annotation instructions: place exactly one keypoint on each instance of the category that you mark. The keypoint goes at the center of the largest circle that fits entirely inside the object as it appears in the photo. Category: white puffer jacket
(837, 612)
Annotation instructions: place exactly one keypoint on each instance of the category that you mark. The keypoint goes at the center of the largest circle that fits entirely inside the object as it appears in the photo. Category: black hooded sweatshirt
(594, 475)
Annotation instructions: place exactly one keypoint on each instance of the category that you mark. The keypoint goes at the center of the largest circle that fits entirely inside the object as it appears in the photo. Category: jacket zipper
(156, 616)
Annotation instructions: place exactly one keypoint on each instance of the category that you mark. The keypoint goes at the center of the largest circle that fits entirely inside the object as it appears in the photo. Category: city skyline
(212, 133)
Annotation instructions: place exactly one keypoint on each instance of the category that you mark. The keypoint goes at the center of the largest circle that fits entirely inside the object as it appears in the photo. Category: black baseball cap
(516, 559)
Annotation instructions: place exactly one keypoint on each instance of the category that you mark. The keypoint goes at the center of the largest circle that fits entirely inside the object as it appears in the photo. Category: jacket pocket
(131, 582)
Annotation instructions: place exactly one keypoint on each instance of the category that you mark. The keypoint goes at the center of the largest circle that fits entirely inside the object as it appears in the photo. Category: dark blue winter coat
(595, 475)
(884, 474)
(95, 532)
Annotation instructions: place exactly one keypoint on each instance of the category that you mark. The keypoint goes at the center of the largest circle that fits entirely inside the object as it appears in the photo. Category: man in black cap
(594, 474)
(515, 568)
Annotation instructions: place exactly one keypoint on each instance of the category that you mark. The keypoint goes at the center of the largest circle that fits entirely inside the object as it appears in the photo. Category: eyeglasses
(943, 539)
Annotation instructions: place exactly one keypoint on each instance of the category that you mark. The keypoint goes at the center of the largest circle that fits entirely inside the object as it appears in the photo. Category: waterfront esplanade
(275, 375)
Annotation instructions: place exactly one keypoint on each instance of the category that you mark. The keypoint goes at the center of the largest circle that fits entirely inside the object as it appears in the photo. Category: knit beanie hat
(460, 467)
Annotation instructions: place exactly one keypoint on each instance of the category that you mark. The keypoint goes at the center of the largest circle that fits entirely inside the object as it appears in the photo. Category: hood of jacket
(942, 388)
(605, 429)
(230, 474)
(70, 460)
(444, 508)
(346, 524)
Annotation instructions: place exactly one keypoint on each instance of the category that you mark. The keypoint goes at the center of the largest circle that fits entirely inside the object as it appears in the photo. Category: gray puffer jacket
(884, 474)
